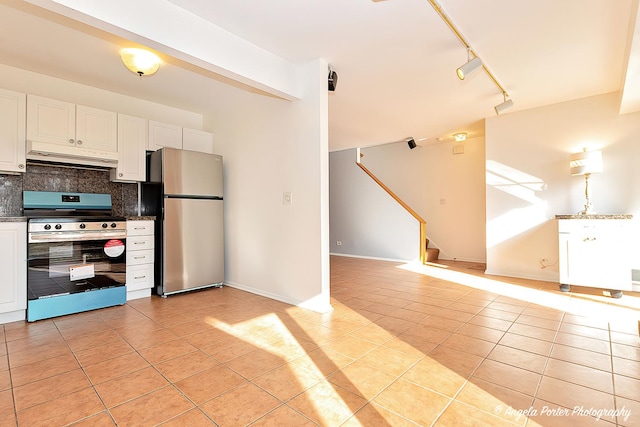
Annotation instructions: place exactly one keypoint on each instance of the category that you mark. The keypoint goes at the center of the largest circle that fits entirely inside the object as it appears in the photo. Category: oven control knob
(47, 226)
(113, 225)
(58, 226)
(83, 226)
(104, 225)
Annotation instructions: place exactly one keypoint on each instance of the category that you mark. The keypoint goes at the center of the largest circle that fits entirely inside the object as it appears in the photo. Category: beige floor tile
(580, 374)
(194, 417)
(102, 419)
(100, 353)
(518, 358)
(131, 386)
(532, 345)
(151, 409)
(208, 384)
(256, 363)
(62, 410)
(327, 404)
(351, 346)
(284, 416)
(459, 414)
(186, 365)
(362, 379)
(240, 406)
(388, 360)
(627, 387)
(468, 344)
(423, 408)
(375, 415)
(571, 395)
(114, 368)
(581, 357)
(502, 402)
(167, 350)
(287, 381)
(46, 368)
(491, 322)
(47, 389)
(508, 376)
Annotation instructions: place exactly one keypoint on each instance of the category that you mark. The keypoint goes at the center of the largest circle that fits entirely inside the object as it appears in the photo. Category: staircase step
(432, 254)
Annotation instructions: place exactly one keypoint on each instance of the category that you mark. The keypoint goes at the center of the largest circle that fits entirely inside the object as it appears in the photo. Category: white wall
(528, 180)
(421, 177)
(364, 218)
(39, 84)
(271, 146)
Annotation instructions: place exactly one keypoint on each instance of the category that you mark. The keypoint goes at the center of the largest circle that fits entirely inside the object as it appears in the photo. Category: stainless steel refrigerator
(184, 192)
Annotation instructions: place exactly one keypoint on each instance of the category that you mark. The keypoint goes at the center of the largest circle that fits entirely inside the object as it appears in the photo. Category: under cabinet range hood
(48, 152)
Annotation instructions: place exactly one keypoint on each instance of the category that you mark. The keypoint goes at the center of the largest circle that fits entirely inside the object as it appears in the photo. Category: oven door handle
(73, 236)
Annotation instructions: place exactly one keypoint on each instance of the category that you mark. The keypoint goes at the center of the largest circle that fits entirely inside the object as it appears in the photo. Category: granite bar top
(595, 216)
(140, 218)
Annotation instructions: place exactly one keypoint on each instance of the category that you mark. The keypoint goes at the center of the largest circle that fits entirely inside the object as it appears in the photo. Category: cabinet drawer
(139, 277)
(135, 243)
(140, 257)
(140, 228)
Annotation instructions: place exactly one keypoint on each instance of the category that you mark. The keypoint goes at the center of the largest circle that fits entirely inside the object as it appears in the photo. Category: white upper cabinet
(96, 129)
(197, 140)
(12, 131)
(132, 144)
(63, 123)
(164, 135)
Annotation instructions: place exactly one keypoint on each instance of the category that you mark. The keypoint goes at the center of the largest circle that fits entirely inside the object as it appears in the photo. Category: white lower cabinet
(13, 265)
(595, 253)
(140, 259)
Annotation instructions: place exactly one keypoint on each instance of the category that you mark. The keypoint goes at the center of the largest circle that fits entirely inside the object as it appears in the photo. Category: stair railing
(423, 223)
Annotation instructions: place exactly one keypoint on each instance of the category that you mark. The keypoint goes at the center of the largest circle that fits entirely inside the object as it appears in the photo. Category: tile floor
(405, 345)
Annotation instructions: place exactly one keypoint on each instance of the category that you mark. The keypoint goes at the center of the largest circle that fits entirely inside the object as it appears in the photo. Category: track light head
(333, 79)
(412, 143)
(504, 106)
(469, 67)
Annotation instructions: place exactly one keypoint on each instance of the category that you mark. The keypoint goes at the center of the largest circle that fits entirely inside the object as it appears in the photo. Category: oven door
(68, 263)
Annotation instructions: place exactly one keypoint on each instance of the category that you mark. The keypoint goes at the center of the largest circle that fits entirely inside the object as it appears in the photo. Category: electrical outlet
(339, 243)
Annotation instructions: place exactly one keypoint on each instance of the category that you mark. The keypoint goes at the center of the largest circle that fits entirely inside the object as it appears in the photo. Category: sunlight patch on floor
(625, 309)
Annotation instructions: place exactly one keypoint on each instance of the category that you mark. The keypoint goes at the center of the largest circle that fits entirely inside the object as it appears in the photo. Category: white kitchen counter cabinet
(13, 265)
(140, 258)
(595, 251)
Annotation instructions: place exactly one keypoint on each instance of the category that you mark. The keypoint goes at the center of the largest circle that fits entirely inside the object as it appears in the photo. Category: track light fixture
(333, 79)
(505, 105)
(412, 143)
(470, 66)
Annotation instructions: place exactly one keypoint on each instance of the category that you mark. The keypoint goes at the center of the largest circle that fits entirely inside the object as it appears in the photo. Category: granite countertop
(13, 219)
(595, 216)
(128, 218)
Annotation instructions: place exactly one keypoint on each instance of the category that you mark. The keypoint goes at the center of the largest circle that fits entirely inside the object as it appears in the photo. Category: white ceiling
(395, 59)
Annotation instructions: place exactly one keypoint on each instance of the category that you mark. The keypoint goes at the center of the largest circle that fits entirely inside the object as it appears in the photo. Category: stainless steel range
(76, 253)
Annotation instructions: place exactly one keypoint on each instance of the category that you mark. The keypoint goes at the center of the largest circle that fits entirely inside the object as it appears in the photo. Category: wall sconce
(586, 163)
(140, 61)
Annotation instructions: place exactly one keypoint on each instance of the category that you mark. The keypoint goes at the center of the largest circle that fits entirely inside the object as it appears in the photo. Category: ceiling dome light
(140, 61)
(461, 136)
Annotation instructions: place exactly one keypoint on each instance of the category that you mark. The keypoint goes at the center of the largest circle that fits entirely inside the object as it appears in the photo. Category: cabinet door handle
(139, 243)
(79, 142)
(72, 141)
(139, 257)
(139, 277)
(589, 239)
(20, 166)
